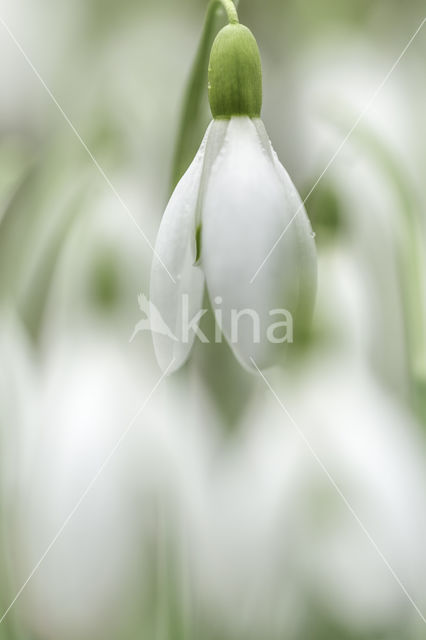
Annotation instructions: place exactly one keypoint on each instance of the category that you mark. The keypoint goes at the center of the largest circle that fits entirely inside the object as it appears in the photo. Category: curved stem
(411, 254)
(411, 262)
(194, 117)
(230, 9)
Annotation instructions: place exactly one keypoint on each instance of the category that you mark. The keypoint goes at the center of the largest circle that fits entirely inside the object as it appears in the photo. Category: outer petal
(247, 204)
(306, 250)
(175, 249)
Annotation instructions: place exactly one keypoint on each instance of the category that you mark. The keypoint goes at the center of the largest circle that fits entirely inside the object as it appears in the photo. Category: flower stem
(411, 261)
(230, 9)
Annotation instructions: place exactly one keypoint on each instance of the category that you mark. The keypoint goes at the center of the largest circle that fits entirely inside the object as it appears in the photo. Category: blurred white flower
(223, 218)
(277, 545)
(272, 514)
(60, 425)
(342, 79)
(61, 417)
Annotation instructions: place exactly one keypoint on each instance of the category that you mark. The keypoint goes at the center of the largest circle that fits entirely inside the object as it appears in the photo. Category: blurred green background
(214, 518)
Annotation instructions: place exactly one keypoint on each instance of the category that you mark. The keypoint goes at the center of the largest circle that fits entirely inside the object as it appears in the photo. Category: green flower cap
(235, 74)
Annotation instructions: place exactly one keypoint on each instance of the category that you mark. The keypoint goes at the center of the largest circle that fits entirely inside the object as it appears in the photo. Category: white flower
(224, 217)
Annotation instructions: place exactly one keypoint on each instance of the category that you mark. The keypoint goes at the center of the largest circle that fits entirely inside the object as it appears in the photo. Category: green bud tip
(235, 74)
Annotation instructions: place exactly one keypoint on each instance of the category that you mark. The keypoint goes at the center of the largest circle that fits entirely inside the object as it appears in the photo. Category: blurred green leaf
(194, 117)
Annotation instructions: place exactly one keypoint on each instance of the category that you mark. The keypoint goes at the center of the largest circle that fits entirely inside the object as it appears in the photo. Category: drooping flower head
(236, 225)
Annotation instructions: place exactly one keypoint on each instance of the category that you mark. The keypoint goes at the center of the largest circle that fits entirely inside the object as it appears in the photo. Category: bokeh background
(207, 509)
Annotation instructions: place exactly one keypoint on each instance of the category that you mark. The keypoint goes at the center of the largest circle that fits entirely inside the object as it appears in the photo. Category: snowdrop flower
(224, 217)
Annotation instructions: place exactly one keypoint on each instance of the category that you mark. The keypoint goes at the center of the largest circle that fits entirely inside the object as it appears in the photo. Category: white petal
(307, 254)
(245, 209)
(175, 253)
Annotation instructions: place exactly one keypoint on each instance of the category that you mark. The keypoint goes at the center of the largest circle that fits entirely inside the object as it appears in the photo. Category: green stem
(411, 261)
(410, 258)
(194, 119)
(230, 9)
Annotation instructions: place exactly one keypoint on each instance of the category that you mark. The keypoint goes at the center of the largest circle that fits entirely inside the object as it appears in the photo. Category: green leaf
(194, 116)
